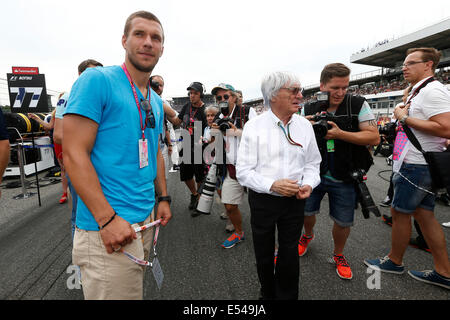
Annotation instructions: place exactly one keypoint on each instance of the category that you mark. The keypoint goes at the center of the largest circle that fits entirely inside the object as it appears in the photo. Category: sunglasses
(294, 90)
(150, 117)
(225, 97)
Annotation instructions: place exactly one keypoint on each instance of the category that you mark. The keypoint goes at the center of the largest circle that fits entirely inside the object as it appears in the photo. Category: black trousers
(286, 214)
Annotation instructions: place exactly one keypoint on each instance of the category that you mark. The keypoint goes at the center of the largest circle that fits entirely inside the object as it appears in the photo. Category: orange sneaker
(342, 268)
(303, 244)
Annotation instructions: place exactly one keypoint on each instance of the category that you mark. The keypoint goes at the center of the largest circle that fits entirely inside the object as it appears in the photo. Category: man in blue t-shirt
(4, 147)
(111, 153)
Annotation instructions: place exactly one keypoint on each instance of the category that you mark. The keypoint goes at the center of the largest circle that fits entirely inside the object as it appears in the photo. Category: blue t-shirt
(104, 95)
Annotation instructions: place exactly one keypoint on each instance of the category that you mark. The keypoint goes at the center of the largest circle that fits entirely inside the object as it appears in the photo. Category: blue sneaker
(233, 240)
(385, 265)
(431, 277)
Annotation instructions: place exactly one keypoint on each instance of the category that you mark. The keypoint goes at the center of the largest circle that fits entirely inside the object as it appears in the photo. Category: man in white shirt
(278, 160)
(428, 117)
(232, 192)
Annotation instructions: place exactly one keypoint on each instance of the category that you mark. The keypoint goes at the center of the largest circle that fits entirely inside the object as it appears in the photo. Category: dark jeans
(286, 214)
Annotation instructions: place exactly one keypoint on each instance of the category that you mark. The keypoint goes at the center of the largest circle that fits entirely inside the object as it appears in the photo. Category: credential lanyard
(124, 67)
(288, 135)
(155, 241)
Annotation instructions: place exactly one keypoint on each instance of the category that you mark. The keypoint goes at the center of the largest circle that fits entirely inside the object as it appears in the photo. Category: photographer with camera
(427, 119)
(231, 121)
(191, 112)
(344, 125)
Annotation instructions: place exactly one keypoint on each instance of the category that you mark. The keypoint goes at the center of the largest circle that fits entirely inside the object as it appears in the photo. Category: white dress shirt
(265, 154)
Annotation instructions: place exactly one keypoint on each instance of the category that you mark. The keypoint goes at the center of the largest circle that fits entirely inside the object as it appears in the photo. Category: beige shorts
(232, 191)
(112, 276)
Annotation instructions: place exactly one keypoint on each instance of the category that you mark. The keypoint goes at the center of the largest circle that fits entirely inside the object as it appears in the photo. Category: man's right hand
(117, 235)
(285, 187)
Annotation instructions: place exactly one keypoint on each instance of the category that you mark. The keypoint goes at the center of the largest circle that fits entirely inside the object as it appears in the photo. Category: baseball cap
(223, 86)
(197, 86)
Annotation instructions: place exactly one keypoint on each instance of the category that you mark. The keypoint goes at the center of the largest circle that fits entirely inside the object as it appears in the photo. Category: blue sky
(207, 41)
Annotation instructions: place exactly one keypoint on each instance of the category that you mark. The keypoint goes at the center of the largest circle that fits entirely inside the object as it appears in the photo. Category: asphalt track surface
(35, 251)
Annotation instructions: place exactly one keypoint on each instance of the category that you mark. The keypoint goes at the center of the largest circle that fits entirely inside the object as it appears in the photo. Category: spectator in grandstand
(115, 168)
(278, 160)
(157, 84)
(343, 150)
(4, 148)
(429, 118)
(192, 112)
(232, 191)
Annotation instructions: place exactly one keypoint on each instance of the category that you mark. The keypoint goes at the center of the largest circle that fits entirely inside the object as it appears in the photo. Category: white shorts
(232, 191)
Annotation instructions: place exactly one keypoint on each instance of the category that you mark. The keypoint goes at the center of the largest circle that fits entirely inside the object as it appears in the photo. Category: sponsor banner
(25, 70)
(27, 93)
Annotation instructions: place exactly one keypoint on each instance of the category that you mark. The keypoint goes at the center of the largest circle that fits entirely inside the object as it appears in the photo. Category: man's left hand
(163, 213)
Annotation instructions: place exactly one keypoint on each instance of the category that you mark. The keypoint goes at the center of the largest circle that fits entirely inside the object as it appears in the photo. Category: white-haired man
(278, 160)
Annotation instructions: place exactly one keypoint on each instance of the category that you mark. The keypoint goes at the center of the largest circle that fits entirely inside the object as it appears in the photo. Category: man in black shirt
(4, 147)
(191, 112)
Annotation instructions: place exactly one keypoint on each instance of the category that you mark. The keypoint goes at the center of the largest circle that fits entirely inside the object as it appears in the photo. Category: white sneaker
(229, 227)
(224, 215)
(446, 224)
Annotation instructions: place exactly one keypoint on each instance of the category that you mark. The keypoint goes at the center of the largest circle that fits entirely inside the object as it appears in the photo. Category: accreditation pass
(143, 153)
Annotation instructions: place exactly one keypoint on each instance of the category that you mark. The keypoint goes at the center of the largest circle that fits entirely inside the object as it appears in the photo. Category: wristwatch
(165, 198)
(403, 119)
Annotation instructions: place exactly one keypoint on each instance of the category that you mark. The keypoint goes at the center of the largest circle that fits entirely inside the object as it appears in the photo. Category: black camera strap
(411, 136)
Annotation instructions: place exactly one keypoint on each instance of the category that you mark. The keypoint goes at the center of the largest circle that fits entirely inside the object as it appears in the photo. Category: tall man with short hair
(427, 114)
(343, 150)
(278, 160)
(111, 128)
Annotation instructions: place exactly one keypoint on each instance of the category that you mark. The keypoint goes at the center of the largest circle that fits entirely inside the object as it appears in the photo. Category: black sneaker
(194, 202)
(418, 243)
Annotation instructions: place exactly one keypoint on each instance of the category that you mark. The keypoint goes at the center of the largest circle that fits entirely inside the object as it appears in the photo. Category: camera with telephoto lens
(389, 131)
(364, 197)
(223, 122)
(321, 125)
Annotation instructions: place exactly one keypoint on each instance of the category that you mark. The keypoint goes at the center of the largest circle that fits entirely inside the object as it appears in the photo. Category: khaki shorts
(232, 191)
(112, 276)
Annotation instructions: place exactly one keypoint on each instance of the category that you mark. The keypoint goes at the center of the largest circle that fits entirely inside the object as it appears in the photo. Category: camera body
(223, 123)
(321, 125)
(389, 131)
(154, 84)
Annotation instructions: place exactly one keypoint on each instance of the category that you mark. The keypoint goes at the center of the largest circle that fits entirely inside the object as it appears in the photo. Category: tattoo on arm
(372, 123)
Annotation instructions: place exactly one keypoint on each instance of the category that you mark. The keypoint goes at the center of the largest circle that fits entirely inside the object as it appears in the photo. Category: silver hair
(273, 82)
(212, 108)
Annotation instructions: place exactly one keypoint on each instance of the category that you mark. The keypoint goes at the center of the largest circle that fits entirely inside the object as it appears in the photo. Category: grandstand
(383, 87)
